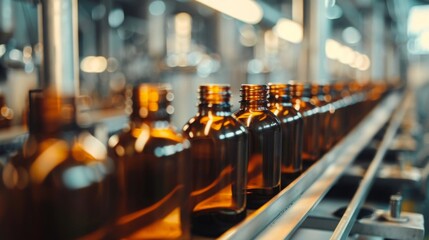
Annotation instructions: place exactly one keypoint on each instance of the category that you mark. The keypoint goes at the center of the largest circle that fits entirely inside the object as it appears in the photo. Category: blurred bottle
(150, 158)
(219, 146)
(264, 128)
(292, 123)
(340, 102)
(375, 92)
(358, 98)
(301, 100)
(58, 185)
(6, 114)
(321, 98)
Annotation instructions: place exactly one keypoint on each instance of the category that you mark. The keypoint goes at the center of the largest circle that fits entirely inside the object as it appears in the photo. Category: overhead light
(345, 55)
(351, 35)
(247, 11)
(2, 49)
(93, 64)
(334, 12)
(417, 20)
(332, 49)
(157, 8)
(289, 30)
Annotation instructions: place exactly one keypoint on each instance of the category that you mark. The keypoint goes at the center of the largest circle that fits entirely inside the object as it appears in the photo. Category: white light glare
(2, 49)
(289, 30)
(244, 10)
(344, 54)
(93, 64)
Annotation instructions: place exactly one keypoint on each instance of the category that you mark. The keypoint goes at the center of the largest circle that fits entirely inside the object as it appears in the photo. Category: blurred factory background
(191, 42)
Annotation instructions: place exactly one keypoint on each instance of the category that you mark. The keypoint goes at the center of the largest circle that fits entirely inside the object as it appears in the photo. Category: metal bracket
(375, 225)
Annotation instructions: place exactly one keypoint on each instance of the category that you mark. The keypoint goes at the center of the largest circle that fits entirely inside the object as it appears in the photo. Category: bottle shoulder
(213, 126)
(258, 118)
(287, 114)
(58, 162)
(147, 140)
(166, 133)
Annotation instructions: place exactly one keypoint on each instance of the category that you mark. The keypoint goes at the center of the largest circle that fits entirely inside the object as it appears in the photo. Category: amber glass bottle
(58, 186)
(263, 171)
(150, 158)
(219, 146)
(358, 97)
(292, 123)
(325, 92)
(300, 97)
(321, 99)
(6, 114)
(340, 105)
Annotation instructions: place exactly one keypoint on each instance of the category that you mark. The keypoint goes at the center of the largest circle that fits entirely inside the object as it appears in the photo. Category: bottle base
(214, 222)
(306, 164)
(288, 178)
(258, 197)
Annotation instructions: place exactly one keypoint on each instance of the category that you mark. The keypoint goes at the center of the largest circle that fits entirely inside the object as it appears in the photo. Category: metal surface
(313, 64)
(395, 206)
(7, 20)
(283, 214)
(374, 226)
(58, 24)
(349, 217)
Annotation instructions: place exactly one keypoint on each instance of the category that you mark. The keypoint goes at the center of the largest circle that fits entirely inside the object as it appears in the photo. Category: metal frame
(347, 221)
(282, 215)
(412, 230)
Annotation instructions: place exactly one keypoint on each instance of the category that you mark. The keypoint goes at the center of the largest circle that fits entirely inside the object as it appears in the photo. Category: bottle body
(322, 100)
(59, 185)
(311, 130)
(219, 147)
(151, 182)
(263, 171)
(292, 124)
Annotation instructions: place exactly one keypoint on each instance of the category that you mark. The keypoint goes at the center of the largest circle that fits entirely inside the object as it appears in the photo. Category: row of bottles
(153, 182)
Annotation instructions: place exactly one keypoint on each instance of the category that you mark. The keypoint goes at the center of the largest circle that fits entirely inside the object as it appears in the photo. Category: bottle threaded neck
(315, 89)
(307, 90)
(325, 89)
(296, 89)
(214, 94)
(320, 89)
(151, 101)
(278, 92)
(254, 94)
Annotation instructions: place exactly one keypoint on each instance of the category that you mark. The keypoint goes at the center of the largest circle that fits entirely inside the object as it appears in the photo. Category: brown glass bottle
(58, 185)
(321, 98)
(358, 97)
(6, 114)
(219, 147)
(263, 171)
(300, 97)
(325, 91)
(292, 123)
(152, 179)
(340, 116)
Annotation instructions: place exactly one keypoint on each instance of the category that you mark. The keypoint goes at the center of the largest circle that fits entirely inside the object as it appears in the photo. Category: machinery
(371, 185)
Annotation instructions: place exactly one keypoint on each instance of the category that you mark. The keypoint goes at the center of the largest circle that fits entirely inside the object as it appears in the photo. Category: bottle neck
(214, 99)
(141, 123)
(297, 91)
(215, 109)
(279, 94)
(51, 114)
(150, 103)
(254, 97)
